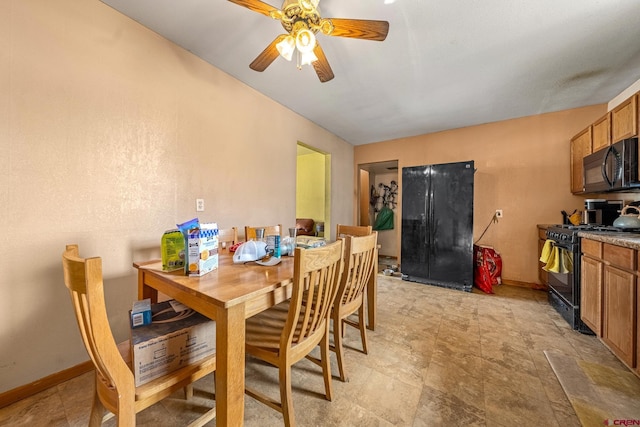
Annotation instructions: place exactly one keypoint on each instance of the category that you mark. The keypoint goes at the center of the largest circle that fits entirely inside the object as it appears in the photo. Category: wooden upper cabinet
(624, 119)
(580, 147)
(602, 133)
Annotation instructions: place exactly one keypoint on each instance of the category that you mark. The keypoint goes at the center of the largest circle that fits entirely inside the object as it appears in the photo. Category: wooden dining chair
(352, 230)
(359, 264)
(227, 238)
(250, 232)
(115, 388)
(372, 290)
(286, 333)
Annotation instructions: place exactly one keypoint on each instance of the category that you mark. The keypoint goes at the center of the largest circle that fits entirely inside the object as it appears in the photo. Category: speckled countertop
(624, 239)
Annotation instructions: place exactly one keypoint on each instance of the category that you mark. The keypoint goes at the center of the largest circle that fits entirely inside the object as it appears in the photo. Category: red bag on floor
(487, 268)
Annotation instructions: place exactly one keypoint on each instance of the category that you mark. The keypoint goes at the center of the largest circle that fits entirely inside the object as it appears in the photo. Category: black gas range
(564, 284)
(570, 229)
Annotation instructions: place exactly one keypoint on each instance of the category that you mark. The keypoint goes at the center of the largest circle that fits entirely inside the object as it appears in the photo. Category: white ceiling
(444, 65)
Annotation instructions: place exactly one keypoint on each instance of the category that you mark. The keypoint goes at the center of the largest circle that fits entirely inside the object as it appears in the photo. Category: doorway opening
(378, 186)
(313, 188)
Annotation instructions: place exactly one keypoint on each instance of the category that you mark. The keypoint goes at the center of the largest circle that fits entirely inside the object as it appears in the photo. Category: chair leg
(188, 392)
(363, 328)
(326, 365)
(126, 415)
(286, 397)
(338, 333)
(97, 411)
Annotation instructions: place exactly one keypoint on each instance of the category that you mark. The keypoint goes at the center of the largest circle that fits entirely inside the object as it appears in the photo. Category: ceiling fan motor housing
(293, 13)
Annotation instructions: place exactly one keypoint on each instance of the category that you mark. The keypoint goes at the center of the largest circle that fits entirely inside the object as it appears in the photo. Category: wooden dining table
(228, 295)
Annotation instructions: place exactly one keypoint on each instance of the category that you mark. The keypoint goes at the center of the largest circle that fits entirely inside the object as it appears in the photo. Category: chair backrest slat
(359, 265)
(227, 238)
(353, 230)
(316, 279)
(250, 231)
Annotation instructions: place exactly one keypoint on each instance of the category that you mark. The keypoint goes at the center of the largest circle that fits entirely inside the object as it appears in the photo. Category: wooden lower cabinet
(609, 299)
(619, 313)
(591, 294)
(542, 238)
(638, 330)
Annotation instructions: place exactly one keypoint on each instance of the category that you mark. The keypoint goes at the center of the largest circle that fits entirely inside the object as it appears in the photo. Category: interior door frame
(305, 149)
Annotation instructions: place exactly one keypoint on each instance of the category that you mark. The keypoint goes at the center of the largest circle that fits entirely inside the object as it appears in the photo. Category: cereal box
(202, 249)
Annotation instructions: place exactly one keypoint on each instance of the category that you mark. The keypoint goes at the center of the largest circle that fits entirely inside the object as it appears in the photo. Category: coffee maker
(601, 211)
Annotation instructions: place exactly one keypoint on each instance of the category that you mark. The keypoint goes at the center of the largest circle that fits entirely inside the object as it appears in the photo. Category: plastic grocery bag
(384, 221)
(487, 268)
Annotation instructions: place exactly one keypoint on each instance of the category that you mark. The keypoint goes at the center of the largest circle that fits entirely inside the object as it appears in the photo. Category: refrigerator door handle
(425, 218)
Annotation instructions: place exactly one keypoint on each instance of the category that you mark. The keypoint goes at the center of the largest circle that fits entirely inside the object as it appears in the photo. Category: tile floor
(438, 357)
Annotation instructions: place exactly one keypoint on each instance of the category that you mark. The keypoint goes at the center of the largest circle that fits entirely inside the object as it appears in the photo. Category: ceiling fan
(301, 19)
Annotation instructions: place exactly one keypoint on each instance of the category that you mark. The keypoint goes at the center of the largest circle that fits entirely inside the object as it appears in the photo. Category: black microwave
(614, 168)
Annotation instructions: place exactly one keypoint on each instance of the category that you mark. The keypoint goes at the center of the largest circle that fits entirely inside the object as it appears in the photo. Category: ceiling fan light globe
(286, 48)
(308, 58)
(305, 40)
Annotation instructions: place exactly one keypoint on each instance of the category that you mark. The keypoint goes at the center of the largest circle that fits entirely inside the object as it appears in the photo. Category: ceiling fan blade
(267, 56)
(322, 67)
(256, 6)
(359, 28)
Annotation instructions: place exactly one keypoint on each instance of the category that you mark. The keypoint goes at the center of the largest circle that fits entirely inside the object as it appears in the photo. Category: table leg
(371, 301)
(145, 291)
(230, 336)
(372, 291)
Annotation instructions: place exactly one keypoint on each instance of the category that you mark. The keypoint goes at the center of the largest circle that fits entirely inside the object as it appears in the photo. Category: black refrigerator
(437, 225)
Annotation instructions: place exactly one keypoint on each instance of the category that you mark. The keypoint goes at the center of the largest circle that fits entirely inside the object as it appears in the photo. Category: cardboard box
(176, 338)
(202, 250)
(141, 313)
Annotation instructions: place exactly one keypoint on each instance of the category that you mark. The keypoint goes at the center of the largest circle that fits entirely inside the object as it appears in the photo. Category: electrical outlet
(498, 213)
(200, 205)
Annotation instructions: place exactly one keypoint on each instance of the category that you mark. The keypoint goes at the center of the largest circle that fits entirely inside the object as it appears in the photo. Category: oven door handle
(604, 166)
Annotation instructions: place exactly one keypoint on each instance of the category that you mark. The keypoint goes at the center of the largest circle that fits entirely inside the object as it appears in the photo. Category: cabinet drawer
(592, 248)
(618, 256)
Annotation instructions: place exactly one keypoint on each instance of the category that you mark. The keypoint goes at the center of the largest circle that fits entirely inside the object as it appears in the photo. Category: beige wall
(522, 168)
(108, 134)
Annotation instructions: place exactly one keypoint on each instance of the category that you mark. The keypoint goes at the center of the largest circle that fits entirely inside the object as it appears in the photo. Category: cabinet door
(624, 120)
(542, 274)
(580, 147)
(619, 313)
(602, 133)
(591, 294)
(637, 331)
